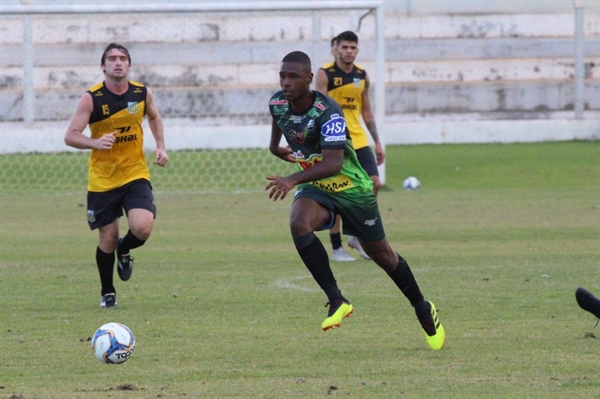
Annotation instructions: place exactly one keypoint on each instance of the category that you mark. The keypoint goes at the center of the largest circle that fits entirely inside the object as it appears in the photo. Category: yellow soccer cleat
(338, 310)
(434, 331)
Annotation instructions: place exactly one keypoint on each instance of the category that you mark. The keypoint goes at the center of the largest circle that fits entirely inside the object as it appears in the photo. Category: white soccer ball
(113, 343)
(411, 183)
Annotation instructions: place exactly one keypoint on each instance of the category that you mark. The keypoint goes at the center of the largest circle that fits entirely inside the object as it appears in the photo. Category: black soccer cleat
(587, 301)
(108, 300)
(124, 263)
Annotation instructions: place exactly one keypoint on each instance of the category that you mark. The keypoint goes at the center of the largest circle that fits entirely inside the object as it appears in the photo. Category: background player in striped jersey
(348, 84)
(118, 175)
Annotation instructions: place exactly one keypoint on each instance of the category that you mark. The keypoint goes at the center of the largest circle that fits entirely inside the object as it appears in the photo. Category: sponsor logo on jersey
(319, 105)
(123, 129)
(133, 107)
(334, 129)
(331, 186)
(275, 101)
(123, 139)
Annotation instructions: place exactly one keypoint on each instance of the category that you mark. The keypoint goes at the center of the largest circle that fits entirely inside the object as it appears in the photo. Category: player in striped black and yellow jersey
(122, 114)
(348, 84)
(118, 175)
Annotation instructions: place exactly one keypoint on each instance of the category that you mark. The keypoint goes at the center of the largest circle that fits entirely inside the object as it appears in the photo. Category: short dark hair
(348, 36)
(114, 46)
(333, 41)
(298, 57)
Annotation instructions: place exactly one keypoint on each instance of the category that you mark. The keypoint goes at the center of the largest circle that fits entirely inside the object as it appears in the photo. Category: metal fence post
(579, 62)
(28, 64)
(380, 84)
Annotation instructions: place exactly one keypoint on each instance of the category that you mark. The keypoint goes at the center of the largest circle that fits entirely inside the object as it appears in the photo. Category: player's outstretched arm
(329, 166)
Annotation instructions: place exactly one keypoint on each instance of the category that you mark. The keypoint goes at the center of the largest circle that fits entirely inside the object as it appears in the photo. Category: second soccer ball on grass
(411, 183)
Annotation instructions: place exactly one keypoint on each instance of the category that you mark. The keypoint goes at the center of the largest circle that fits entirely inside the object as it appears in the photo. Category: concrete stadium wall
(434, 63)
(433, 49)
(483, 6)
(493, 70)
(184, 134)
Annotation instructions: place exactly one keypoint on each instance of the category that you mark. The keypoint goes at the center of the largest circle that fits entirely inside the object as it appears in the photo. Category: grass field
(499, 237)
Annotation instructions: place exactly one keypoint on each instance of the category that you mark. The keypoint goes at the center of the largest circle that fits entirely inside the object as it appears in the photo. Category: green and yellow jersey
(322, 126)
(347, 90)
(125, 162)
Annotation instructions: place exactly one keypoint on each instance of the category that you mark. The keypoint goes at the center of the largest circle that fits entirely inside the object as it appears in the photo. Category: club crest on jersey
(356, 82)
(334, 129)
(133, 107)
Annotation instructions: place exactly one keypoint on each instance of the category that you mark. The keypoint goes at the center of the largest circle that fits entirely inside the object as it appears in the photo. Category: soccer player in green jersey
(331, 181)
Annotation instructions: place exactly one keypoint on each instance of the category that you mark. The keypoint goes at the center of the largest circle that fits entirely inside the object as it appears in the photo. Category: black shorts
(367, 161)
(104, 207)
(359, 211)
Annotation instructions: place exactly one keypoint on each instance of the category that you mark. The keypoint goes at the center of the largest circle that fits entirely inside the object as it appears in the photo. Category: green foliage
(499, 237)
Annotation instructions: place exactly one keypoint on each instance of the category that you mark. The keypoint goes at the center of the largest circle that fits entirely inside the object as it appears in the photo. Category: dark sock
(405, 280)
(106, 264)
(129, 242)
(336, 240)
(316, 259)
